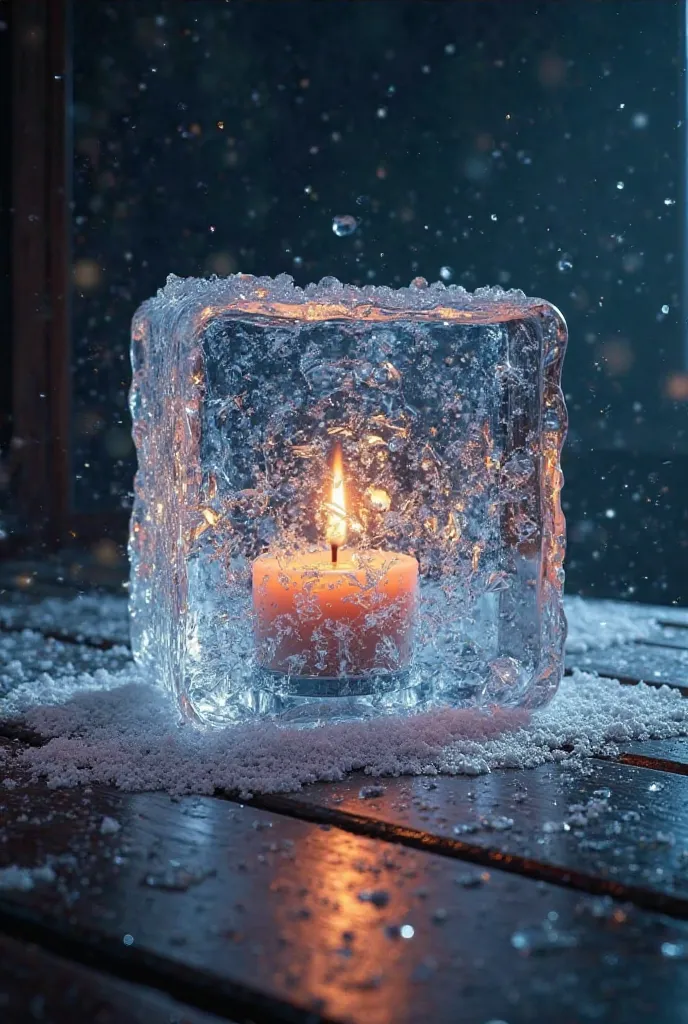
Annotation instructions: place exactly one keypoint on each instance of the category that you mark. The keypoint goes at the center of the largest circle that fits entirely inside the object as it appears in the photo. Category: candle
(336, 613)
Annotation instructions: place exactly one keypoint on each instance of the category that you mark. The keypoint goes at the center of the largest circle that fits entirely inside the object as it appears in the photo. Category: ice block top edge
(244, 294)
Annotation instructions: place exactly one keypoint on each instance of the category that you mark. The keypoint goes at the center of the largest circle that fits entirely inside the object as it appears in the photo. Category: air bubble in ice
(515, 474)
(640, 120)
(378, 499)
(506, 672)
(665, 309)
(446, 273)
(344, 225)
(564, 265)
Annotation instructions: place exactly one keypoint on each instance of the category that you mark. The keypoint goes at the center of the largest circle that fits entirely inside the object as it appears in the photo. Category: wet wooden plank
(662, 755)
(39, 986)
(635, 662)
(603, 826)
(254, 915)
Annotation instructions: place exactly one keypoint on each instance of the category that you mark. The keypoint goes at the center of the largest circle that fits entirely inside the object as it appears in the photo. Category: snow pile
(120, 729)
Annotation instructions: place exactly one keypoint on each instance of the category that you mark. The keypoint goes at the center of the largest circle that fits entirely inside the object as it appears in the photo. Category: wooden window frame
(41, 185)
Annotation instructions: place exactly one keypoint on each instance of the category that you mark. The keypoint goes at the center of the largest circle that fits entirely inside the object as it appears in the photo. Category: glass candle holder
(347, 500)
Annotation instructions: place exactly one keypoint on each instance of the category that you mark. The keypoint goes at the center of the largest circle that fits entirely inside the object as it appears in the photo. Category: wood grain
(253, 915)
(599, 826)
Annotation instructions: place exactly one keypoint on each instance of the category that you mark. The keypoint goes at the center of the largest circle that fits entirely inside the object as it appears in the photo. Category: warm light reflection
(336, 508)
(337, 942)
(319, 311)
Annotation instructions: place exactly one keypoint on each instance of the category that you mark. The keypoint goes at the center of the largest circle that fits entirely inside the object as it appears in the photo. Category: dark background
(534, 145)
(5, 230)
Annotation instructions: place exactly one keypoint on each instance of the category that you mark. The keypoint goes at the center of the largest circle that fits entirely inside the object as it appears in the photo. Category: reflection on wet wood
(246, 913)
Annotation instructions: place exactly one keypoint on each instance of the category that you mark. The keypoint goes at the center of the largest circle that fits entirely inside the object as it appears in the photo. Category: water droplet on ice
(620, 185)
(344, 225)
(564, 266)
(446, 273)
(407, 931)
(665, 309)
(493, 216)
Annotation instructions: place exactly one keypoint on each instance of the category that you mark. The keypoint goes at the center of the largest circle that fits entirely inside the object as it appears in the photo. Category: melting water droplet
(344, 225)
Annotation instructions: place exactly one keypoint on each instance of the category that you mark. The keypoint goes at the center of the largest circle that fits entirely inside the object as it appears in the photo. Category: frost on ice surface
(447, 408)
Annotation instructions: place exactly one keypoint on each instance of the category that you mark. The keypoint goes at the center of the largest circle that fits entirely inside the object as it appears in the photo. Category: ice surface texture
(447, 408)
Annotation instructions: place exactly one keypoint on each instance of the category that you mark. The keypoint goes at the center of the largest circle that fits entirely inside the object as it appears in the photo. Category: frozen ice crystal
(447, 409)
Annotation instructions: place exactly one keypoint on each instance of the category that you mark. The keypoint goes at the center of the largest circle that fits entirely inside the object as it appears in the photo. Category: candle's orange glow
(336, 508)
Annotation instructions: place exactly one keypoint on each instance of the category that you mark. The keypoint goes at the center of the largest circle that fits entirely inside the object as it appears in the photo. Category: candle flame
(336, 508)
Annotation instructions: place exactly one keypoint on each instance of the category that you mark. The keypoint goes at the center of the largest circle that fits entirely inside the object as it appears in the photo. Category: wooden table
(361, 902)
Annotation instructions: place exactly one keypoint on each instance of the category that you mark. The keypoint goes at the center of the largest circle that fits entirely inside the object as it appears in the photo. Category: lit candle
(335, 613)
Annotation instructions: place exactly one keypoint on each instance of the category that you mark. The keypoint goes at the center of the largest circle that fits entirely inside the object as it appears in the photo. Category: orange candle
(337, 613)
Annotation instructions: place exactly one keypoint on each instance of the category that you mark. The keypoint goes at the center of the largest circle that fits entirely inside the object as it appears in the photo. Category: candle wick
(334, 553)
